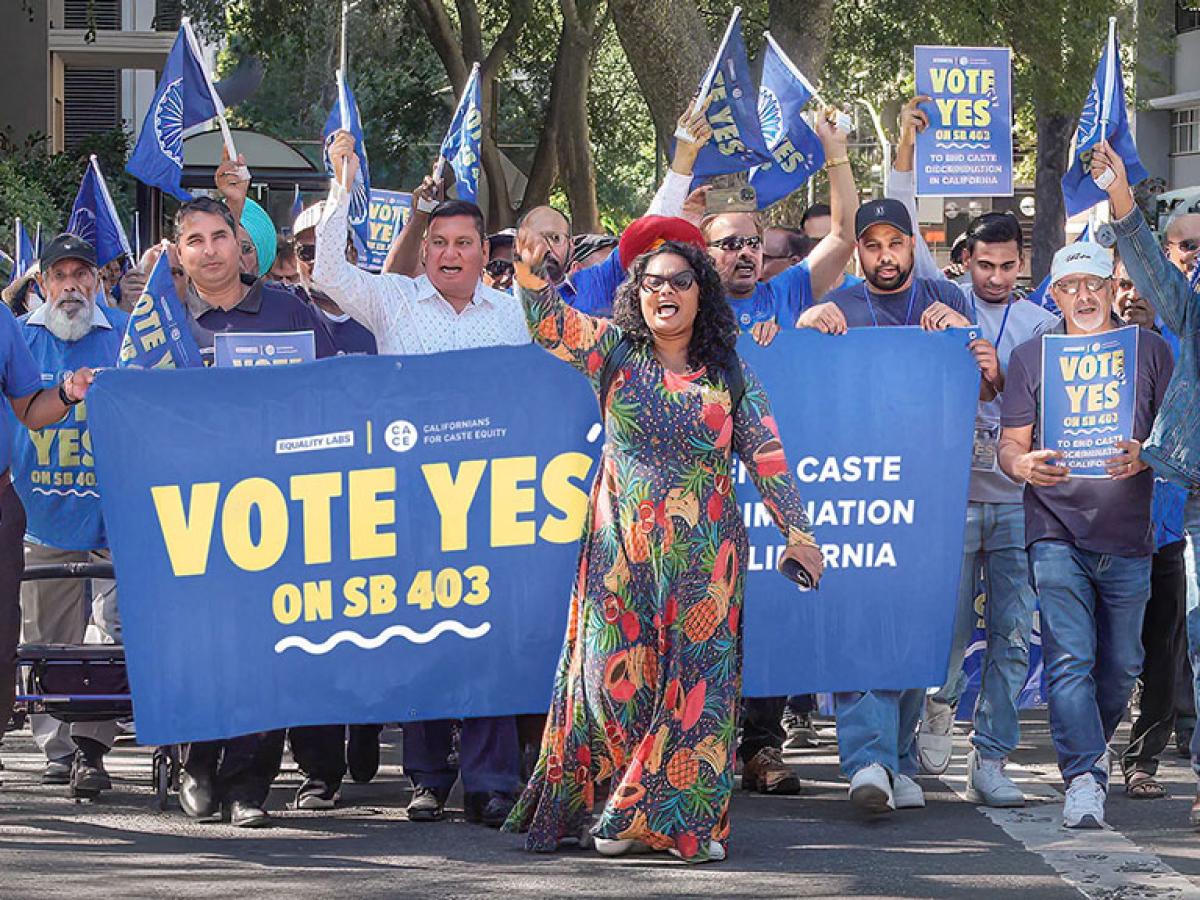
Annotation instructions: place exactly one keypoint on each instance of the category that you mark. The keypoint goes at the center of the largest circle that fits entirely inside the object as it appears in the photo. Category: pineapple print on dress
(649, 677)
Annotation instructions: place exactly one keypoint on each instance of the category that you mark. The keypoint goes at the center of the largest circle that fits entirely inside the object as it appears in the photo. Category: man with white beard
(53, 472)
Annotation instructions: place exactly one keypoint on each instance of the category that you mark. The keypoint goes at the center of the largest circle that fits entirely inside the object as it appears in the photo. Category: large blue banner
(383, 539)
(967, 148)
(1089, 391)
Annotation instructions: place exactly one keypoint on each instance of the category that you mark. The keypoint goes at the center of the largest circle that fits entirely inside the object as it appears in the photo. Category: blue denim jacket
(1173, 448)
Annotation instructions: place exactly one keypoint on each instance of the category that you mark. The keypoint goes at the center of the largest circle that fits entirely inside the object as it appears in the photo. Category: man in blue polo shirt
(235, 773)
(54, 474)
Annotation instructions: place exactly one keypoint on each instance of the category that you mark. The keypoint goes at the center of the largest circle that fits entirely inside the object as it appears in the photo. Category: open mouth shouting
(666, 311)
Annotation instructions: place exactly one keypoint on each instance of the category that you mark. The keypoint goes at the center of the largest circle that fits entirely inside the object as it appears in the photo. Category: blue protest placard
(967, 148)
(395, 538)
(281, 348)
(388, 215)
(1089, 389)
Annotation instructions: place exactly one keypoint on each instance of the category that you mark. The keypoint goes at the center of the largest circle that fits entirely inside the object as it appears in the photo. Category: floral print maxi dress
(647, 689)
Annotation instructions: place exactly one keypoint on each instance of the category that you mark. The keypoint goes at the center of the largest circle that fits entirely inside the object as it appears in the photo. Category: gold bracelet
(834, 163)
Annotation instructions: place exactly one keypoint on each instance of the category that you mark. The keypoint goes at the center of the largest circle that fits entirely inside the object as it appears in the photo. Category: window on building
(91, 103)
(1185, 130)
(1187, 16)
(79, 14)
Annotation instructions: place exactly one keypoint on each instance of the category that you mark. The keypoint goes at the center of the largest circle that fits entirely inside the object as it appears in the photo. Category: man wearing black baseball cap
(36, 407)
(876, 729)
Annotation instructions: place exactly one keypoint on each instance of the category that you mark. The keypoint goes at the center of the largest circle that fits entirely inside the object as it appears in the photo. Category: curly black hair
(715, 331)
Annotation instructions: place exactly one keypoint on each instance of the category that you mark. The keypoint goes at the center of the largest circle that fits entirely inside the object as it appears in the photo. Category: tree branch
(446, 44)
(518, 15)
(472, 32)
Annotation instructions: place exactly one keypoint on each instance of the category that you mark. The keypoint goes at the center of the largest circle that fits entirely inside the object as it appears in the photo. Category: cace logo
(400, 436)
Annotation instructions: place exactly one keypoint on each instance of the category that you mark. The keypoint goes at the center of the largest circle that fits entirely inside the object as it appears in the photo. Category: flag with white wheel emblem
(344, 117)
(185, 97)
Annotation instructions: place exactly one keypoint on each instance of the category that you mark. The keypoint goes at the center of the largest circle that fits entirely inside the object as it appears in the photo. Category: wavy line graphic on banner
(366, 643)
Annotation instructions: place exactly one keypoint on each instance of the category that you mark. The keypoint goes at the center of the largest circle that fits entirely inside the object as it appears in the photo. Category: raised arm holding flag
(344, 117)
(185, 97)
(1104, 118)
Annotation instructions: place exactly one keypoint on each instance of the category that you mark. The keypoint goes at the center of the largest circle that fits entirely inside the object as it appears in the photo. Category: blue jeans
(1092, 608)
(995, 531)
(1191, 526)
(878, 727)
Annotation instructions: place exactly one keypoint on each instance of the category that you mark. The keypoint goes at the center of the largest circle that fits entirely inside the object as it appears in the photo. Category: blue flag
(797, 149)
(737, 143)
(23, 253)
(185, 97)
(297, 206)
(460, 147)
(158, 336)
(1103, 117)
(94, 218)
(344, 117)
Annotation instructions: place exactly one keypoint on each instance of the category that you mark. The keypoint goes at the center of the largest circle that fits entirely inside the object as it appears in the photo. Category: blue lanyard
(1003, 321)
(911, 300)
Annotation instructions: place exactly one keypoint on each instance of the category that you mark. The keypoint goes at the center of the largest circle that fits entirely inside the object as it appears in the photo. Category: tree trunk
(801, 28)
(575, 166)
(1054, 131)
(669, 49)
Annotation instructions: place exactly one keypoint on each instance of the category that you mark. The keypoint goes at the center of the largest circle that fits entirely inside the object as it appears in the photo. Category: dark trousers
(320, 752)
(762, 725)
(240, 768)
(1162, 638)
(489, 755)
(12, 567)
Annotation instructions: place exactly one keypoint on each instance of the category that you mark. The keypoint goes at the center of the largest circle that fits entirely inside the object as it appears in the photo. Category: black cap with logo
(67, 246)
(882, 212)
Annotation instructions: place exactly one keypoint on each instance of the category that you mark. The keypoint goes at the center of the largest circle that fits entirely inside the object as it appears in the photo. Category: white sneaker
(871, 789)
(906, 793)
(935, 737)
(1084, 807)
(987, 783)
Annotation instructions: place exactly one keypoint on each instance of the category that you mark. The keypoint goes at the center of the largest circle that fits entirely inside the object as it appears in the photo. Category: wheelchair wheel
(162, 778)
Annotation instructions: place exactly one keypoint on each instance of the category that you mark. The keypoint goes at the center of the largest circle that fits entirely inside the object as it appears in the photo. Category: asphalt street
(810, 845)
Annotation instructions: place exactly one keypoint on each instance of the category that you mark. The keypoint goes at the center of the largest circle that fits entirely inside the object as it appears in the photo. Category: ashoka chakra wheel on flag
(168, 122)
(770, 114)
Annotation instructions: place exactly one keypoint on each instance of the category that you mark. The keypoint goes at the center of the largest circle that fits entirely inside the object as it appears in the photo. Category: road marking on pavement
(1099, 864)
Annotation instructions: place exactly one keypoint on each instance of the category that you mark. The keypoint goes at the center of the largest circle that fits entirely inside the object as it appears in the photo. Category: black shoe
(316, 794)
(362, 752)
(246, 815)
(1183, 742)
(89, 775)
(490, 808)
(425, 806)
(58, 771)
(196, 796)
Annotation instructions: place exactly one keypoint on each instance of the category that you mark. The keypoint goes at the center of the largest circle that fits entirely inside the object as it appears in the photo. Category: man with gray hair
(1181, 238)
(53, 472)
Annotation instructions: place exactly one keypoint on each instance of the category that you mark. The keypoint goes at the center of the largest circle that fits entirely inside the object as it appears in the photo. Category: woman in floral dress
(647, 689)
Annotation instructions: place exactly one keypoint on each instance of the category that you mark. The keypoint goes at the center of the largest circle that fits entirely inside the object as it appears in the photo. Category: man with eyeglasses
(1182, 240)
(1090, 540)
(735, 245)
(349, 336)
(1173, 448)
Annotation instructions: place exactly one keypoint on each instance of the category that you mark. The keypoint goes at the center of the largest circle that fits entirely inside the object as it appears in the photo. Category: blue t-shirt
(350, 336)
(53, 469)
(864, 308)
(782, 299)
(593, 289)
(267, 307)
(20, 374)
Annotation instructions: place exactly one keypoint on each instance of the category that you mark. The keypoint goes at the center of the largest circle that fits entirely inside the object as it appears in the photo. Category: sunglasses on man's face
(306, 252)
(1189, 245)
(736, 242)
(498, 268)
(680, 281)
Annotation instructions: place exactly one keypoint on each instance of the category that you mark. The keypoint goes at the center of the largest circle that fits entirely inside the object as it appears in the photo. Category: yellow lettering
(383, 595)
(368, 512)
(68, 447)
(287, 604)
(318, 601)
(1075, 396)
(354, 590)
(453, 496)
(563, 495)
(244, 498)
(42, 441)
(188, 535)
(509, 500)
(315, 492)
